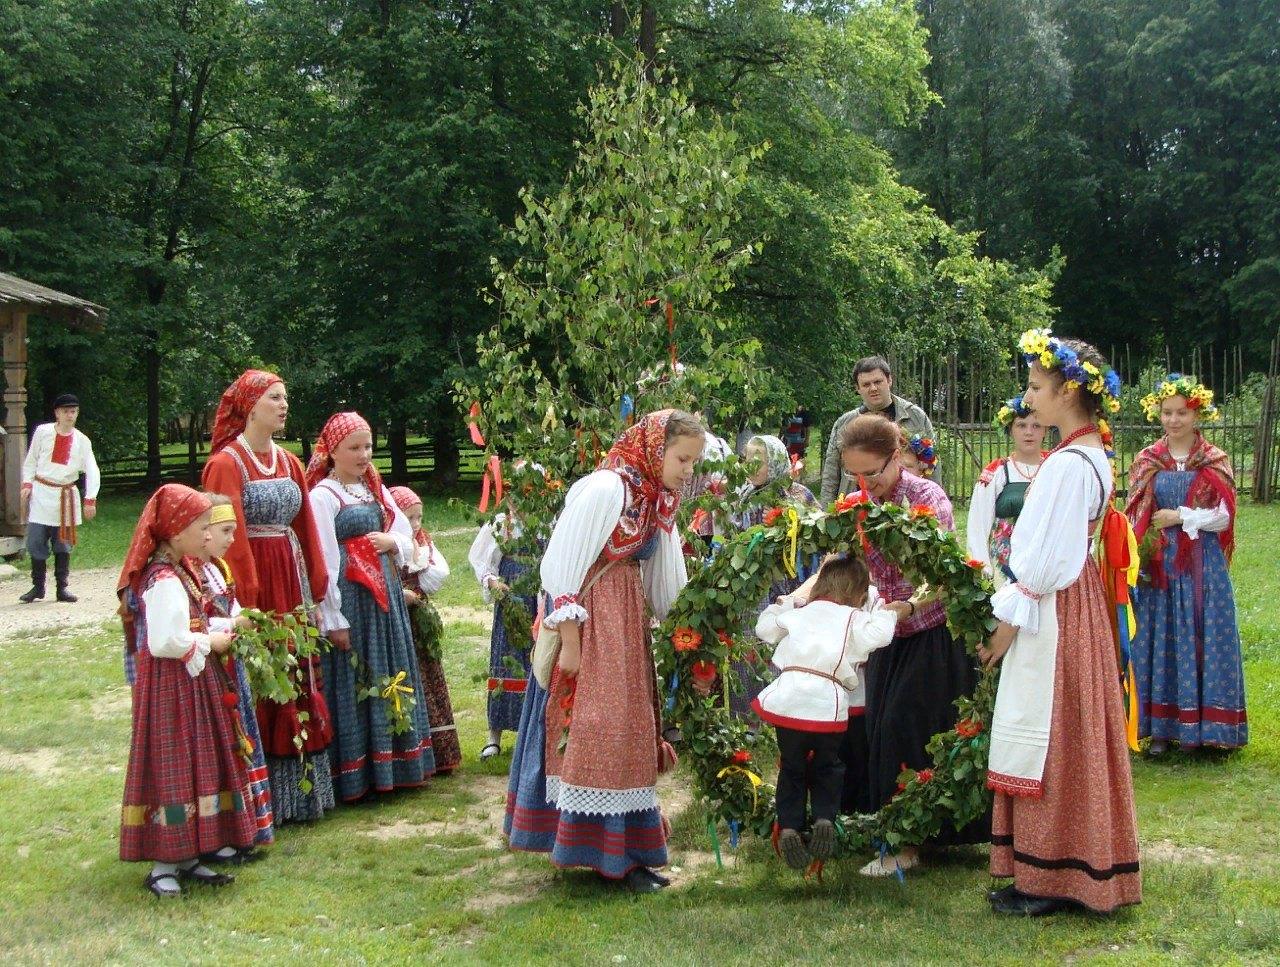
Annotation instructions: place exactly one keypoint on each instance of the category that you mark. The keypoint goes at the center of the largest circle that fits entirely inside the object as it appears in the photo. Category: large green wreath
(703, 632)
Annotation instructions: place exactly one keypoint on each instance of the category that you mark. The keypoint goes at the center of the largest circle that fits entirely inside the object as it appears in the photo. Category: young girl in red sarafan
(821, 649)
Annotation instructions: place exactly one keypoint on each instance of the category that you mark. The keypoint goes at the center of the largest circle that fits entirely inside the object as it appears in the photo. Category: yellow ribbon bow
(394, 689)
(549, 420)
(793, 543)
(751, 777)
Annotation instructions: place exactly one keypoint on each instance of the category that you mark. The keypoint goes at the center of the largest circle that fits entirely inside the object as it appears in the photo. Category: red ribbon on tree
(670, 311)
(492, 482)
(476, 436)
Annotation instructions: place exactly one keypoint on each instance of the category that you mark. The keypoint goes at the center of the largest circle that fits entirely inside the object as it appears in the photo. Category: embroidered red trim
(1015, 785)
(560, 602)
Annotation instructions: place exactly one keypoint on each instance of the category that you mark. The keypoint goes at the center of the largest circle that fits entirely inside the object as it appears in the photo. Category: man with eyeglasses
(874, 380)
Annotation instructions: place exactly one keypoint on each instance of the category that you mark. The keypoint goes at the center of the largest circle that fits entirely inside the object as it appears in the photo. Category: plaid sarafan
(911, 491)
(187, 789)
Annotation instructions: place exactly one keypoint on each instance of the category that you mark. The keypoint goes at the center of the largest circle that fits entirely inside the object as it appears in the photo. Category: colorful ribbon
(492, 482)
(792, 551)
(472, 417)
(396, 687)
(1118, 561)
(714, 835)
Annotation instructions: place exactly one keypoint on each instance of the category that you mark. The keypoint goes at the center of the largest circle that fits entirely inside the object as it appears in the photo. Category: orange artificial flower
(771, 516)
(923, 510)
(968, 728)
(686, 639)
(741, 757)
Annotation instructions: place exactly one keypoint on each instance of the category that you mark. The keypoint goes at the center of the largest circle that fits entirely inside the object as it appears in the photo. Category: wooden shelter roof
(16, 293)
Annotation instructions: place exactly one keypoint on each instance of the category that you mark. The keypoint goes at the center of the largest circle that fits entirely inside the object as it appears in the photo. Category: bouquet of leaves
(271, 649)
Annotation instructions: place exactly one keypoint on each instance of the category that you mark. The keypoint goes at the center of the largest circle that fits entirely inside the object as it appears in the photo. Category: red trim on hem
(1015, 785)
(857, 712)
(1192, 716)
(514, 685)
(800, 725)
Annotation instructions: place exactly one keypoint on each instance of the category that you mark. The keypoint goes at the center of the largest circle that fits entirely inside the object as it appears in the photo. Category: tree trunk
(649, 38)
(193, 450)
(444, 445)
(151, 357)
(618, 21)
(397, 443)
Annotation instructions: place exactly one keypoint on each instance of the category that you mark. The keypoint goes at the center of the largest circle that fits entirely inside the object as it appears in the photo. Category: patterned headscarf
(169, 511)
(338, 428)
(777, 459)
(238, 399)
(1213, 483)
(406, 499)
(637, 457)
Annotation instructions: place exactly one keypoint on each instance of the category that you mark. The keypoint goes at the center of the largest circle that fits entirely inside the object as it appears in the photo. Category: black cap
(65, 399)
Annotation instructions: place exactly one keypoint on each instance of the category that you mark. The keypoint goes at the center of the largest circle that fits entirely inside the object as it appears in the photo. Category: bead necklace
(265, 471)
(365, 498)
(1028, 477)
(1073, 437)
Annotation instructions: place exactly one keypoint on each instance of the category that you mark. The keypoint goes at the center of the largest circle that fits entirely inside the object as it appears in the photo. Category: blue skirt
(506, 690)
(259, 781)
(610, 845)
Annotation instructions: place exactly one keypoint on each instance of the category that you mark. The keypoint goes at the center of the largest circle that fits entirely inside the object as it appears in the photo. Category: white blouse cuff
(194, 659)
(1017, 607)
(569, 610)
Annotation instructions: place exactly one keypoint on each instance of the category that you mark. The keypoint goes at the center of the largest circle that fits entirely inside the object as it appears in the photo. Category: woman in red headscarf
(380, 743)
(587, 793)
(423, 575)
(186, 792)
(279, 567)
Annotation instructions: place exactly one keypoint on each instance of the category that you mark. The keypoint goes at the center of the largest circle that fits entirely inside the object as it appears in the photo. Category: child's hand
(411, 598)
(382, 543)
(220, 642)
(244, 622)
(340, 638)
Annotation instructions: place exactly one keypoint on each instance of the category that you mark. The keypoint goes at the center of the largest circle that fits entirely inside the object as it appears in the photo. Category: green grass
(436, 884)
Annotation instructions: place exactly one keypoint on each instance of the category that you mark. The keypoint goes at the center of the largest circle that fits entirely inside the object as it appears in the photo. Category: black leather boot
(38, 570)
(62, 574)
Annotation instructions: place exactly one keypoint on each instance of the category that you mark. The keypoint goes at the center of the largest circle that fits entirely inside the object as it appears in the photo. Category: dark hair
(843, 580)
(1089, 401)
(683, 424)
(871, 364)
(871, 432)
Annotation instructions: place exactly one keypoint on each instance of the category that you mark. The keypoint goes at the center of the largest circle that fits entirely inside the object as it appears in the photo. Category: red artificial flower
(1193, 404)
(902, 787)
(704, 671)
(686, 639)
(741, 757)
(923, 510)
(974, 563)
(771, 516)
(751, 655)
(725, 638)
(968, 728)
(924, 775)
(847, 503)
(230, 700)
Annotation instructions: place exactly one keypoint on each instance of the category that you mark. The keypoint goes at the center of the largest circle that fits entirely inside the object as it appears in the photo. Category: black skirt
(912, 686)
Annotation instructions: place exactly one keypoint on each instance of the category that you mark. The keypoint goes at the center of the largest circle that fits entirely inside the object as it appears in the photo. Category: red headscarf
(637, 457)
(405, 499)
(169, 511)
(339, 427)
(239, 398)
(1213, 483)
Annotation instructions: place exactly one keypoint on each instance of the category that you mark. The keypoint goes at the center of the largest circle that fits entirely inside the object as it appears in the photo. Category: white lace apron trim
(599, 802)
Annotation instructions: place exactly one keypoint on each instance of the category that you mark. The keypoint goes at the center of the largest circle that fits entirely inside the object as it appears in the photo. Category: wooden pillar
(13, 326)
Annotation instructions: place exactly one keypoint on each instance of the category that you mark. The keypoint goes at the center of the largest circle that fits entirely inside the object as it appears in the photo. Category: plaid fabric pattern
(911, 491)
(186, 786)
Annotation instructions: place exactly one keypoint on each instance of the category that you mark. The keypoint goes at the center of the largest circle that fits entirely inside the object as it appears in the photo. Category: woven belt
(813, 671)
(267, 530)
(66, 509)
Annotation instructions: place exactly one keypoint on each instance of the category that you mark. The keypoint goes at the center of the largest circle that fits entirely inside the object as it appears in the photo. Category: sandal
(207, 878)
(239, 858)
(153, 882)
(486, 754)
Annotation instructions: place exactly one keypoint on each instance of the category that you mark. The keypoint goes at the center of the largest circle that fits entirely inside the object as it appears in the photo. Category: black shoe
(1004, 891)
(642, 880)
(153, 882)
(658, 876)
(239, 858)
(207, 878)
(62, 575)
(1025, 905)
(38, 572)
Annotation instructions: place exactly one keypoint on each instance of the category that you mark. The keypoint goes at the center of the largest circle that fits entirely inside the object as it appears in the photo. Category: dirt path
(96, 590)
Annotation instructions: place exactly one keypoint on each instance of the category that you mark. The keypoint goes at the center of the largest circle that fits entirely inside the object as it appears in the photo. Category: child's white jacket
(821, 648)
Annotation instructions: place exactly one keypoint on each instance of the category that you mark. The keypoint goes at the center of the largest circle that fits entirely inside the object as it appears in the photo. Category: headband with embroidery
(1198, 396)
(222, 514)
(1043, 347)
(1013, 409)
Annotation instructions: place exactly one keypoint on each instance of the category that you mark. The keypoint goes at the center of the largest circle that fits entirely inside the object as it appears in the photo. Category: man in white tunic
(58, 455)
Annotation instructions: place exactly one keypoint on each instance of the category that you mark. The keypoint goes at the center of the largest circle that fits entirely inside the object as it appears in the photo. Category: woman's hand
(570, 659)
(1166, 518)
(411, 598)
(244, 622)
(999, 642)
(498, 586)
(902, 609)
(383, 543)
(340, 638)
(220, 642)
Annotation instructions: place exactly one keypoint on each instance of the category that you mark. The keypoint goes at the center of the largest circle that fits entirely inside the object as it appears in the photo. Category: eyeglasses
(875, 474)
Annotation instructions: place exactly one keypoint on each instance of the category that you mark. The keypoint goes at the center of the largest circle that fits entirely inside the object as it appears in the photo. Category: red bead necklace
(1084, 431)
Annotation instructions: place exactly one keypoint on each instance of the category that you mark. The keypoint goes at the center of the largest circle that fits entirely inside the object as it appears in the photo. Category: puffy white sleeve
(432, 567)
(485, 556)
(92, 476)
(324, 508)
(1051, 538)
(31, 463)
(400, 530)
(217, 584)
(591, 511)
(664, 575)
(769, 624)
(870, 630)
(1210, 519)
(169, 633)
(982, 516)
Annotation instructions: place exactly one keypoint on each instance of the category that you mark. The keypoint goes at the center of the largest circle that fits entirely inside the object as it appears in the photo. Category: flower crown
(923, 448)
(1041, 346)
(1013, 409)
(1198, 396)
